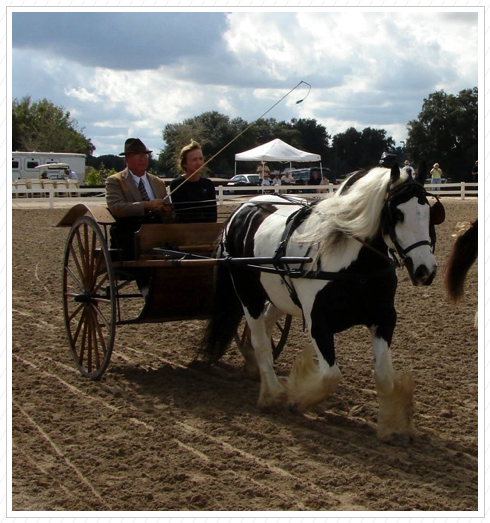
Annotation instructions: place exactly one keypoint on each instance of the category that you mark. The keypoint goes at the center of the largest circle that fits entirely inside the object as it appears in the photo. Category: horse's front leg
(395, 393)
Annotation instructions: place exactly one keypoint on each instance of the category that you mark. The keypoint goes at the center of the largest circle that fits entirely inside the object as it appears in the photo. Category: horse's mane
(354, 210)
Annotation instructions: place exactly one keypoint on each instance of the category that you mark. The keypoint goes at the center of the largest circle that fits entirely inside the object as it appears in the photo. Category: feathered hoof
(251, 371)
(398, 439)
(395, 415)
(301, 405)
(268, 402)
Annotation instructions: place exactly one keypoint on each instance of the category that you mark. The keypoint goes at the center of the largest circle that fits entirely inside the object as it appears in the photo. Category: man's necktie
(142, 190)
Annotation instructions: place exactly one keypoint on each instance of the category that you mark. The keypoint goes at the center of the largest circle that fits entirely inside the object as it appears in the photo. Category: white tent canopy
(276, 151)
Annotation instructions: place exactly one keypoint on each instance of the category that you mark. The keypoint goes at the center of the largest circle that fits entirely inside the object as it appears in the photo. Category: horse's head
(408, 224)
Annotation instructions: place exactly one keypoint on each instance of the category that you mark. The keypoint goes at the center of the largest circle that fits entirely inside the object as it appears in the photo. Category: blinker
(437, 213)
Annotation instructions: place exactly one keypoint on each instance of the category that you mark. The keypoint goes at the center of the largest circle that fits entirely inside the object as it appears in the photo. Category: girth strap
(283, 270)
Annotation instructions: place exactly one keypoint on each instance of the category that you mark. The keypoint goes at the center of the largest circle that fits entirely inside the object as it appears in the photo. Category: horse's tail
(227, 313)
(461, 258)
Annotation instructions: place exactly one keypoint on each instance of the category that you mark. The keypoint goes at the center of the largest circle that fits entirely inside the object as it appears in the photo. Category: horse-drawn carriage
(347, 248)
(96, 282)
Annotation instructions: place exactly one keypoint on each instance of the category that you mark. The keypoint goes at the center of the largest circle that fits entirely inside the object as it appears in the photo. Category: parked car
(243, 180)
(303, 175)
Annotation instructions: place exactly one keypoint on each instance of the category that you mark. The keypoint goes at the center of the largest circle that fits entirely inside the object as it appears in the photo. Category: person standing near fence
(474, 173)
(436, 176)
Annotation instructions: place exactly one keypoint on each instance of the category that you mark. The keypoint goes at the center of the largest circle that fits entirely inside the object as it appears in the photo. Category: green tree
(215, 131)
(446, 132)
(43, 126)
(355, 149)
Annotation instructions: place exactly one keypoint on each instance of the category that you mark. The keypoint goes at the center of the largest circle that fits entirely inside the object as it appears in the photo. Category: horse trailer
(25, 164)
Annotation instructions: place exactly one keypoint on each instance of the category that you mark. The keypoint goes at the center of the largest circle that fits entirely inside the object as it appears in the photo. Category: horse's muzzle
(423, 276)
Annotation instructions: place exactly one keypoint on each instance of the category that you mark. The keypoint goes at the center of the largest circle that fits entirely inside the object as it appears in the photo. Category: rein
(437, 215)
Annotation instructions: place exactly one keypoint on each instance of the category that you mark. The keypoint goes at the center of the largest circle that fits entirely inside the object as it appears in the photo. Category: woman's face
(194, 160)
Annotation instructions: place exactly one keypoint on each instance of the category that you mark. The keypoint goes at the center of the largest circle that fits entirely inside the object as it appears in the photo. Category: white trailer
(24, 164)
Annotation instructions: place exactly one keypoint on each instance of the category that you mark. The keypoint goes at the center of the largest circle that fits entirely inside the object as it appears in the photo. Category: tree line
(445, 131)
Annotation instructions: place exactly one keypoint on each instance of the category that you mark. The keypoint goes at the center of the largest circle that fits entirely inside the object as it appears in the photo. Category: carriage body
(96, 282)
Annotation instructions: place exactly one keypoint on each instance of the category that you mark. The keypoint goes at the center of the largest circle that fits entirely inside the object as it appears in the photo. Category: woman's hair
(192, 145)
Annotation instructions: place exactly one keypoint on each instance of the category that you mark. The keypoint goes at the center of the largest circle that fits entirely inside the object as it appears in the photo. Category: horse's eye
(399, 216)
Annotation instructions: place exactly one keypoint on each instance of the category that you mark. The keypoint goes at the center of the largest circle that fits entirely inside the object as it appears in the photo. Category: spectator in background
(324, 181)
(287, 178)
(436, 176)
(474, 172)
(410, 170)
(266, 180)
(44, 175)
(71, 175)
(276, 180)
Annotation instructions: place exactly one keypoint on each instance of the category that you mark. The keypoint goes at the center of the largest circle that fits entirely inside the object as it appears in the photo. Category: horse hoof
(398, 439)
(272, 402)
(252, 372)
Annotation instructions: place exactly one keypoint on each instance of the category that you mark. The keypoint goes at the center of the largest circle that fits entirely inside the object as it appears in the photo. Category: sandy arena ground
(161, 433)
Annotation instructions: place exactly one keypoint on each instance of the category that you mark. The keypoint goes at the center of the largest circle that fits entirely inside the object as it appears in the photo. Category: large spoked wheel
(89, 297)
(278, 338)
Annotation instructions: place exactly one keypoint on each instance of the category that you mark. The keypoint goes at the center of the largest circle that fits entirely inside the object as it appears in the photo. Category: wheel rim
(278, 339)
(280, 335)
(89, 300)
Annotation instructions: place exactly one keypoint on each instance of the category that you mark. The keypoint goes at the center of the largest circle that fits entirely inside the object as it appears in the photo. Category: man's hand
(164, 208)
(154, 206)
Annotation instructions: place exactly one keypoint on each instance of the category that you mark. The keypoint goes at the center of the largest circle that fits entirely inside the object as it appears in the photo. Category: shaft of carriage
(188, 260)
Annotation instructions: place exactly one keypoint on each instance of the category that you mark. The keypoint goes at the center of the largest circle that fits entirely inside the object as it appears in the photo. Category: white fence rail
(58, 195)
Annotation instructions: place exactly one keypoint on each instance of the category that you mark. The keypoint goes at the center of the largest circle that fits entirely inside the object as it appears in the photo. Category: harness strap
(325, 275)
(282, 269)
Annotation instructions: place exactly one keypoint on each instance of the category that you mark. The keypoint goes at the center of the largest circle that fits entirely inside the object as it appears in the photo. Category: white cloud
(366, 69)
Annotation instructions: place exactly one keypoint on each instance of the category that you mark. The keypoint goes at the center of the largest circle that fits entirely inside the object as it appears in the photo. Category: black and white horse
(354, 239)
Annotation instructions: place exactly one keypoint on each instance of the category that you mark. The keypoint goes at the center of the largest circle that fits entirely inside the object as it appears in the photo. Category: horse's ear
(422, 173)
(395, 173)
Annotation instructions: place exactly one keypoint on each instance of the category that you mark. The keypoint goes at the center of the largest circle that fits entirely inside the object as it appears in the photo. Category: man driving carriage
(135, 197)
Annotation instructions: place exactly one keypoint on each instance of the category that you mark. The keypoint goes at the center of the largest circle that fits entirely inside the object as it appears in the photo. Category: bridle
(437, 216)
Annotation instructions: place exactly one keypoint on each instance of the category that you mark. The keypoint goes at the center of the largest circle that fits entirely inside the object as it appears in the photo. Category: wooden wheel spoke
(77, 263)
(84, 338)
(96, 269)
(98, 312)
(81, 249)
(100, 333)
(75, 279)
(101, 282)
(93, 330)
(80, 325)
(75, 312)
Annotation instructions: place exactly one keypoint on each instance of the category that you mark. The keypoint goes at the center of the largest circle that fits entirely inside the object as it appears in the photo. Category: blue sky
(124, 74)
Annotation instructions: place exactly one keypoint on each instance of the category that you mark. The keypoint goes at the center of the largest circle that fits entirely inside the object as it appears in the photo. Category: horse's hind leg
(272, 314)
(395, 396)
(272, 393)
